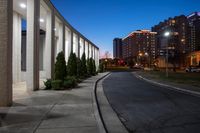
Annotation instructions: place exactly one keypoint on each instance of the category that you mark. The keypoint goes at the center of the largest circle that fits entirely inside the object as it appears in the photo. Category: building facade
(140, 45)
(194, 31)
(117, 48)
(32, 33)
(176, 45)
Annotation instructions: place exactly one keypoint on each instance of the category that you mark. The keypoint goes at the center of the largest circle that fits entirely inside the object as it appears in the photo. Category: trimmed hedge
(47, 84)
(57, 84)
(70, 82)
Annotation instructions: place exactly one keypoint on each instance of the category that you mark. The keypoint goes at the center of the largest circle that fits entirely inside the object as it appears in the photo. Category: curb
(170, 87)
(110, 117)
(97, 111)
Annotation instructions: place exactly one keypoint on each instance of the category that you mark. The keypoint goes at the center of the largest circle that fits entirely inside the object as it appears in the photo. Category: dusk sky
(102, 20)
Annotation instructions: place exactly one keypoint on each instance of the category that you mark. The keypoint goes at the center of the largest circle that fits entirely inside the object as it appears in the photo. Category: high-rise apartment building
(117, 48)
(138, 44)
(177, 43)
(194, 31)
(178, 39)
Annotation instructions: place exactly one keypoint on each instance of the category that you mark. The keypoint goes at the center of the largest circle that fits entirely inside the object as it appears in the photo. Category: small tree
(101, 67)
(90, 66)
(94, 67)
(60, 67)
(131, 63)
(79, 68)
(84, 66)
(72, 65)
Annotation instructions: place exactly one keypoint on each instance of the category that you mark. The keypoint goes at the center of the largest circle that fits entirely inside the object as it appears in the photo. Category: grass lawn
(178, 77)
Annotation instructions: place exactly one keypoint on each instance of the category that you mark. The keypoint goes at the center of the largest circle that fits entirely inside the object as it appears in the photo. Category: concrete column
(84, 46)
(81, 47)
(89, 50)
(78, 50)
(93, 52)
(17, 29)
(52, 43)
(6, 21)
(48, 47)
(60, 38)
(94, 56)
(67, 43)
(33, 33)
(98, 58)
(75, 44)
(64, 38)
(72, 41)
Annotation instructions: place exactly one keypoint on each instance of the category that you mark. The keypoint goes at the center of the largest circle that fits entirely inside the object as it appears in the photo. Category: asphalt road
(146, 108)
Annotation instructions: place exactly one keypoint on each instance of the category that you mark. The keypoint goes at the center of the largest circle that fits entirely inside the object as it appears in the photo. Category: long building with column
(32, 33)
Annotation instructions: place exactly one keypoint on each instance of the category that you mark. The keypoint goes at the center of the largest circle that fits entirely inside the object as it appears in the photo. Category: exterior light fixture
(167, 34)
(22, 5)
(41, 20)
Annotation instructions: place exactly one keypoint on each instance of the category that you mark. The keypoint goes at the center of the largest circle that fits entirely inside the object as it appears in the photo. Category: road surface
(146, 108)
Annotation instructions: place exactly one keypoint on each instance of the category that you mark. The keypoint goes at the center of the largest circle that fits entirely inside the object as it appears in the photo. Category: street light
(167, 35)
(147, 54)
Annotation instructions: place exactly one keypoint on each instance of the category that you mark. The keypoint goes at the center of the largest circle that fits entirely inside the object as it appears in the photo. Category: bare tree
(107, 55)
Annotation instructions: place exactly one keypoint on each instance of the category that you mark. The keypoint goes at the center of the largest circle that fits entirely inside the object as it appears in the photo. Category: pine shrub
(84, 66)
(72, 65)
(60, 67)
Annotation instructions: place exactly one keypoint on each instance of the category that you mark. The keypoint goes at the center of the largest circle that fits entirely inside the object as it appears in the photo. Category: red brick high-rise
(140, 46)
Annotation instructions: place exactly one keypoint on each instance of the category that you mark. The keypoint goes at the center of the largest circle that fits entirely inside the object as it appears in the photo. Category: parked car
(192, 69)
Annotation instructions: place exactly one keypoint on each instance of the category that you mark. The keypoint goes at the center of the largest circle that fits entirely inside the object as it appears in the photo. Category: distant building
(117, 48)
(194, 23)
(140, 45)
(193, 59)
(177, 42)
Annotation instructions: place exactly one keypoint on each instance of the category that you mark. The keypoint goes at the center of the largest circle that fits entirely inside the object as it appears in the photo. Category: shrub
(72, 65)
(90, 66)
(84, 66)
(94, 67)
(70, 82)
(60, 67)
(101, 67)
(48, 84)
(131, 63)
(79, 68)
(56, 84)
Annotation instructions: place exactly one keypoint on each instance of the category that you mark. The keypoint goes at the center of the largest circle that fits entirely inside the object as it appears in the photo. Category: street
(146, 108)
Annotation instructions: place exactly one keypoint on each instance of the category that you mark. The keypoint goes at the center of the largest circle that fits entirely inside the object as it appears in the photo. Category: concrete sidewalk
(52, 111)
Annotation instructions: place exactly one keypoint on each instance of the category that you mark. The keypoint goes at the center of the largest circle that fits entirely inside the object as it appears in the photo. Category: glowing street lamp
(147, 54)
(140, 54)
(167, 34)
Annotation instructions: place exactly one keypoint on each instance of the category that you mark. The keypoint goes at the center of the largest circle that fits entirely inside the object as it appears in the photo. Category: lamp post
(167, 35)
(149, 59)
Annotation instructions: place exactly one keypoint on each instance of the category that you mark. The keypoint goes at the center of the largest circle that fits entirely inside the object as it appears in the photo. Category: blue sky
(102, 20)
